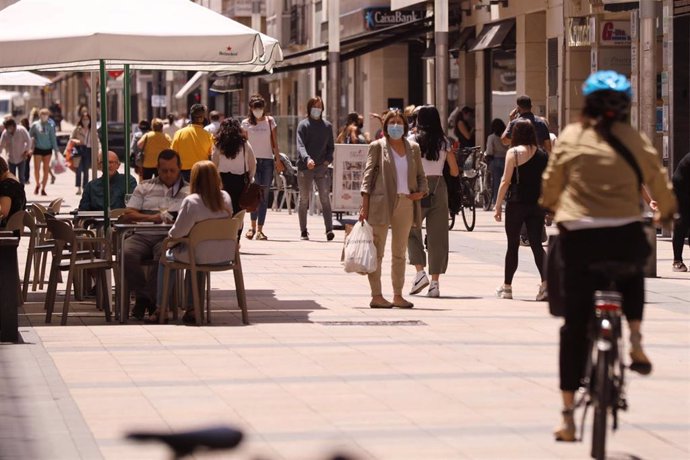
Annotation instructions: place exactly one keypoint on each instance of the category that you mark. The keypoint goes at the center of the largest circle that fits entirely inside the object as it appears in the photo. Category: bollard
(9, 294)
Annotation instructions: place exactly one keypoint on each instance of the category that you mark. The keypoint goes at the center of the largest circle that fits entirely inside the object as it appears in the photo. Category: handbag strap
(627, 155)
(517, 170)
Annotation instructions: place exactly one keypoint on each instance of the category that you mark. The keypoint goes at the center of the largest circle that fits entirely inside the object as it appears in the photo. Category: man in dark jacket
(681, 227)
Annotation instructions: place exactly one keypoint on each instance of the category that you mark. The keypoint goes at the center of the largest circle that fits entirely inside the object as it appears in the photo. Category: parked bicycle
(462, 199)
(603, 386)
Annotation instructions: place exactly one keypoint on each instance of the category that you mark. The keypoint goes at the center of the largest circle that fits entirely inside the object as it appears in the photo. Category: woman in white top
(205, 201)
(435, 148)
(234, 157)
(261, 132)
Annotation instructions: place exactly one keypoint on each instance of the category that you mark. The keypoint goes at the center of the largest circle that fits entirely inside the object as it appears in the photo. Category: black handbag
(513, 193)
(252, 193)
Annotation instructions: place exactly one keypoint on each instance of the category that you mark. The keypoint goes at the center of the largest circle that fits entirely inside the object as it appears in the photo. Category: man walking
(15, 140)
(524, 110)
(681, 227)
(193, 142)
(315, 147)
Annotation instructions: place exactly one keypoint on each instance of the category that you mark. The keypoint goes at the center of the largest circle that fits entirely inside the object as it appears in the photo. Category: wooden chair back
(55, 206)
(16, 222)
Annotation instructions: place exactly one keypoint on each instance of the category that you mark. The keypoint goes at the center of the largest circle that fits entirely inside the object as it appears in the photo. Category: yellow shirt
(193, 143)
(155, 143)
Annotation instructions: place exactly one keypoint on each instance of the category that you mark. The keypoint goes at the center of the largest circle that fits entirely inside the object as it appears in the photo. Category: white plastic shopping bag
(58, 164)
(360, 251)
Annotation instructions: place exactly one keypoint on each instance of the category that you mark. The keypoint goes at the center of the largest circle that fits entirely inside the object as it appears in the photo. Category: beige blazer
(380, 181)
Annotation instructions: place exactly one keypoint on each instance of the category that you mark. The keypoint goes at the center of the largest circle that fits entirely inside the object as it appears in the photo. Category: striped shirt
(150, 193)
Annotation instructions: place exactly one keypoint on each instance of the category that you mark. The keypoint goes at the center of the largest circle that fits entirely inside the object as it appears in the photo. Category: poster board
(349, 161)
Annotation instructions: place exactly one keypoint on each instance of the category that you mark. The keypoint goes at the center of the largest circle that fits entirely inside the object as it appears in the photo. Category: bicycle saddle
(614, 270)
(185, 443)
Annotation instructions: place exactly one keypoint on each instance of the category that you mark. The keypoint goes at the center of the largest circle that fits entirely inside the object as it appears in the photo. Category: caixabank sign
(379, 18)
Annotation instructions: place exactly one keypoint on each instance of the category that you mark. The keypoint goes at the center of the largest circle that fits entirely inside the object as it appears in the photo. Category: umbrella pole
(128, 124)
(104, 147)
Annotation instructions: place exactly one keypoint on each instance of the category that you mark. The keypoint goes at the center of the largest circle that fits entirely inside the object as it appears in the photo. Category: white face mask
(258, 113)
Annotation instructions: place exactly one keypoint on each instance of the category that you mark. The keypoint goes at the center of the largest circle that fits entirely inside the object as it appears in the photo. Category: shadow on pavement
(263, 307)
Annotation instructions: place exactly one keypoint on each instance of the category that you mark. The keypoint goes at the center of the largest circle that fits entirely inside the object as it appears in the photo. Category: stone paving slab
(466, 376)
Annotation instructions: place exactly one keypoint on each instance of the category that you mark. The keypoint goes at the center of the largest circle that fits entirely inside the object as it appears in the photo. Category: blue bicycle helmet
(610, 80)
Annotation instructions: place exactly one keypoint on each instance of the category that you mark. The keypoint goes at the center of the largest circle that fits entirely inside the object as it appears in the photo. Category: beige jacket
(586, 177)
(381, 184)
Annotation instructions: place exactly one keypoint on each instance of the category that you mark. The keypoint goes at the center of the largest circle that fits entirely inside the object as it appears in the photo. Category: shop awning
(620, 5)
(192, 84)
(358, 45)
(465, 41)
(495, 35)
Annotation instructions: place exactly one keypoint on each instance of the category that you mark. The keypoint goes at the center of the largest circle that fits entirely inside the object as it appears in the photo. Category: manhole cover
(373, 323)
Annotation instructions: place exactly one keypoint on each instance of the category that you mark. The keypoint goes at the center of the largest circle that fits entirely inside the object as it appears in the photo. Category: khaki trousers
(436, 218)
(401, 223)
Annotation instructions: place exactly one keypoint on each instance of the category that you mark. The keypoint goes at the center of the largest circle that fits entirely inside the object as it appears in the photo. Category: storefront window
(503, 83)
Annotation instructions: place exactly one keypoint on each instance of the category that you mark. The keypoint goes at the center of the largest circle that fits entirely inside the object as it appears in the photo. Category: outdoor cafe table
(122, 231)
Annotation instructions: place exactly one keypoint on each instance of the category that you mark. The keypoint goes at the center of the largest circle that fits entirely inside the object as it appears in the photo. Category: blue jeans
(497, 167)
(19, 170)
(84, 167)
(263, 177)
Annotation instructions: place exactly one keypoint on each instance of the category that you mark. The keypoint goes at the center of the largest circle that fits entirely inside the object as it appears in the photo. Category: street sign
(158, 101)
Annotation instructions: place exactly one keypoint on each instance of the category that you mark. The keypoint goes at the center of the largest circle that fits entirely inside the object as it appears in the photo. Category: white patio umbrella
(146, 34)
(141, 34)
(23, 78)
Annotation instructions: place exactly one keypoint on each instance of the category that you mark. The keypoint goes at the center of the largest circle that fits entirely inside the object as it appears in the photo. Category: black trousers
(681, 230)
(580, 249)
(233, 184)
(533, 217)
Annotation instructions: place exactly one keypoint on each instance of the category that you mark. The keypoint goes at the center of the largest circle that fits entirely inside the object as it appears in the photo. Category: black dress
(15, 191)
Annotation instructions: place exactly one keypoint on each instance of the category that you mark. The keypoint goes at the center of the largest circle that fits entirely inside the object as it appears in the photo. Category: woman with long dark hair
(592, 184)
(496, 156)
(525, 163)
(234, 157)
(436, 151)
(81, 138)
(261, 132)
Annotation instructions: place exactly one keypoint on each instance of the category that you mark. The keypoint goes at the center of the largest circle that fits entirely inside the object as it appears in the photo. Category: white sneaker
(420, 282)
(504, 291)
(433, 290)
(543, 294)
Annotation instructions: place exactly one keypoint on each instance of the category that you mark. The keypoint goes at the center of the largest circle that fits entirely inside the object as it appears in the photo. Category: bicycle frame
(603, 385)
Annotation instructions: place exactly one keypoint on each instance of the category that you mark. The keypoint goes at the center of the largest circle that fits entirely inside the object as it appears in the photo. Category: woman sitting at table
(206, 201)
(12, 196)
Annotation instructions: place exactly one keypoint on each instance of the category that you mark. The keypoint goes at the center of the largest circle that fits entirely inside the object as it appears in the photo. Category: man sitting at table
(167, 190)
(93, 197)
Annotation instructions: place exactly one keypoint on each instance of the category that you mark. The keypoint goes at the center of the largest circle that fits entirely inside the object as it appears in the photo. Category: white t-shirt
(401, 170)
(260, 136)
(435, 168)
(243, 162)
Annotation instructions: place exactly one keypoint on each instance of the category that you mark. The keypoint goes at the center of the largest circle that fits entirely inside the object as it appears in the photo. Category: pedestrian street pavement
(465, 376)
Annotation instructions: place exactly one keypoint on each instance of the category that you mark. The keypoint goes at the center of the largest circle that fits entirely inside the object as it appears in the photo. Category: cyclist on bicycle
(595, 193)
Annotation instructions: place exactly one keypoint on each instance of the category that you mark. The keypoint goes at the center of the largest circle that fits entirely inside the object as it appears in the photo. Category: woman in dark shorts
(44, 144)
(12, 197)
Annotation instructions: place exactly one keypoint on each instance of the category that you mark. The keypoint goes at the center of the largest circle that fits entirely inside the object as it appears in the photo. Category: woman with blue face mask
(315, 147)
(393, 185)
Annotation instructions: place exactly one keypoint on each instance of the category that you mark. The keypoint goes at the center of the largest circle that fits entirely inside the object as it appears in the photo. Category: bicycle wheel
(602, 388)
(451, 220)
(486, 200)
(469, 214)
